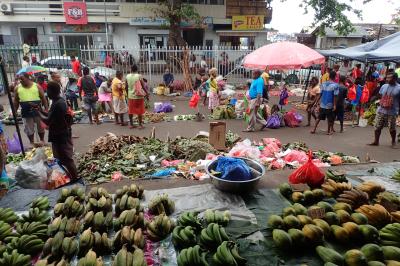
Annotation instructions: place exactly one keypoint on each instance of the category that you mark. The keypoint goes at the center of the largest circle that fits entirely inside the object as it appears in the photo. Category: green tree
(396, 17)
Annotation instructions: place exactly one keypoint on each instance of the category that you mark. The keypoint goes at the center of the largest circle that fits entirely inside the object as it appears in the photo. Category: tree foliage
(396, 17)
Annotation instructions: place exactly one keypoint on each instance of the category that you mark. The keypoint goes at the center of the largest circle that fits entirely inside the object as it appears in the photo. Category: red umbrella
(283, 56)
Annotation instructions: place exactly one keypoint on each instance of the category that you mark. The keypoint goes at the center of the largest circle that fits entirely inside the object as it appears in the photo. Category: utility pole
(105, 21)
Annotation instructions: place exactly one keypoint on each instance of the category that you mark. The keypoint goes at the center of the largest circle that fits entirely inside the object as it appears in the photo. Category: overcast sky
(289, 18)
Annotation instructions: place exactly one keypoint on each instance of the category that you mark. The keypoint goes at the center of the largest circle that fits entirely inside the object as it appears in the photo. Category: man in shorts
(341, 95)
(388, 110)
(329, 90)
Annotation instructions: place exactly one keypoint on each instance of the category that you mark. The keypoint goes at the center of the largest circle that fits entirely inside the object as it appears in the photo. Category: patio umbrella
(283, 56)
(32, 70)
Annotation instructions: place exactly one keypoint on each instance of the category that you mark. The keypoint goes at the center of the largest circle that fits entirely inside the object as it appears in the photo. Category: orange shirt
(76, 67)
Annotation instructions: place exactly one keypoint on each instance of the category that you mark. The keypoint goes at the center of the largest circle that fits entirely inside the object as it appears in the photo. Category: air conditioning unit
(6, 8)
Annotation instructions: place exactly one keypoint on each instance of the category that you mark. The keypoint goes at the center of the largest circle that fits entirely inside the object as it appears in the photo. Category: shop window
(237, 41)
(193, 37)
(29, 36)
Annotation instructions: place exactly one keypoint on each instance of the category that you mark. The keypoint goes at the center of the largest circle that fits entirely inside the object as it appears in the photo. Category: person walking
(29, 95)
(76, 65)
(72, 93)
(256, 94)
(265, 77)
(312, 100)
(213, 99)
(105, 96)
(119, 98)
(341, 95)
(87, 85)
(136, 94)
(388, 109)
(327, 103)
(59, 122)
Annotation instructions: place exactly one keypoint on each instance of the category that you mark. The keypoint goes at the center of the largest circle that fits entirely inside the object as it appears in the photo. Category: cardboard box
(217, 135)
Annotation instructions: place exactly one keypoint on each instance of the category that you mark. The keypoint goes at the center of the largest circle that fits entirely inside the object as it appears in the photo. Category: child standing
(284, 97)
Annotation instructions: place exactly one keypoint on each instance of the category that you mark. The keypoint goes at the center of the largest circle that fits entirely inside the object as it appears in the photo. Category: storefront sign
(75, 13)
(89, 28)
(247, 22)
(158, 22)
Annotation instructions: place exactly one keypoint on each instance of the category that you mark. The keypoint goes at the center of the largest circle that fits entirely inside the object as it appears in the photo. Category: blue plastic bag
(164, 108)
(13, 144)
(233, 169)
(274, 122)
(164, 172)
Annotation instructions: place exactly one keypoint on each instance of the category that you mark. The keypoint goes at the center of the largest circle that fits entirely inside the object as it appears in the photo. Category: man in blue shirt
(388, 110)
(256, 93)
(329, 91)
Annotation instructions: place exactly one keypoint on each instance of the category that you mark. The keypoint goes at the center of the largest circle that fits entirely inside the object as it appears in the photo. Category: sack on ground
(273, 122)
(309, 174)
(291, 120)
(163, 108)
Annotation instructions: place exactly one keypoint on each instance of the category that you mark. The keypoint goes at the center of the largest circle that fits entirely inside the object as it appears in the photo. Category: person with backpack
(87, 85)
(59, 121)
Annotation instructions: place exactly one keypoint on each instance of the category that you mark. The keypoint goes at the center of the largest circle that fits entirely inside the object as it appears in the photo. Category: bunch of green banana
(161, 204)
(227, 255)
(102, 204)
(125, 258)
(130, 218)
(70, 226)
(127, 203)
(184, 236)
(213, 235)
(26, 244)
(45, 262)
(86, 242)
(34, 228)
(192, 256)
(338, 177)
(98, 192)
(396, 175)
(56, 245)
(77, 192)
(218, 217)
(98, 221)
(70, 208)
(135, 191)
(129, 237)
(160, 227)
(189, 219)
(8, 215)
(390, 235)
(41, 202)
(69, 247)
(5, 231)
(90, 259)
(15, 259)
(36, 215)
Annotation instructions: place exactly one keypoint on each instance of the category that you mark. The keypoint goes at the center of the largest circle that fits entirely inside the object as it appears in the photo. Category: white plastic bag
(33, 173)
(245, 149)
(363, 122)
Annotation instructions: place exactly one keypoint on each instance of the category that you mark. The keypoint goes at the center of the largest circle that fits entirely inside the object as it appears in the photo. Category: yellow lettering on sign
(247, 22)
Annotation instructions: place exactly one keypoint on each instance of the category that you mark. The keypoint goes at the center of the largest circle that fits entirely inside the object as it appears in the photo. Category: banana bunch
(389, 197)
(371, 188)
(69, 247)
(130, 218)
(70, 226)
(192, 256)
(15, 259)
(98, 221)
(86, 241)
(102, 204)
(390, 235)
(98, 192)
(36, 215)
(189, 219)
(333, 189)
(127, 203)
(46, 251)
(218, 217)
(102, 245)
(129, 237)
(213, 236)
(34, 228)
(124, 258)
(161, 204)
(6, 231)
(355, 198)
(41, 202)
(160, 227)
(396, 175)
(377, 215)
(70, 208)
(77, 192)
(90, 259)
(227, 255)
(184, 236)
(55, 245)
(135, 191)
(26, 244)
(395, 216)
(336, 176)
(45, 262)
(8, 215)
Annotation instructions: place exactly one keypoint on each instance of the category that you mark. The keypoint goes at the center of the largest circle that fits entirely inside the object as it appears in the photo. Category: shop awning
(240, 33)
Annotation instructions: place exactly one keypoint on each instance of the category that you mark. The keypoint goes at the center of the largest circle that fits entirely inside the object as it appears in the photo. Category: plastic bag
(291, 120)
(273, 122)
(194, 100)
(58, 176)
(363, 122)
(233, 169)
(245, 149)
(296, 156)
(309, 173)
(33, 173)
(269, 141)
(163, 108)
(13, 144)
(335, 160)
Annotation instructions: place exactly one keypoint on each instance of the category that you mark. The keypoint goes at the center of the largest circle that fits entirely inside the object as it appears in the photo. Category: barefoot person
(256, 95)
(312, 98)
(340, 101)
(389, 108)
(135, 101)
(119, 98)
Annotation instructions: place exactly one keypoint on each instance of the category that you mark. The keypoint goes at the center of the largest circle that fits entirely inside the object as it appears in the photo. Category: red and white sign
(75, 13)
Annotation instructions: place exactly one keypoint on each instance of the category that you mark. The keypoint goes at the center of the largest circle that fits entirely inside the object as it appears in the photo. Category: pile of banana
(333, 189)
(377, 215)
(45, 262)
(160, 227)
(371, 188)
(98, 200)
(6, 232)
(127, 203)
(90, 259)
(70, 226)
(184, 236)
(388, 197)
(189, 219)
(135, 191)
(336, 176)
(35, 215)
(42, 203)
(227, 254)
(161, 204)
(355, 198)
(70, 208)
(129, 238)
(129, 218)
(124, 257)
(213, 236)
(26, 244)
(192, 256)
(69, 248)
(15, 259)
(98, 221)
(34, 228)
(8, 215)
(77, 192)
(218, 217)
(95, 241)
(390, 235)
